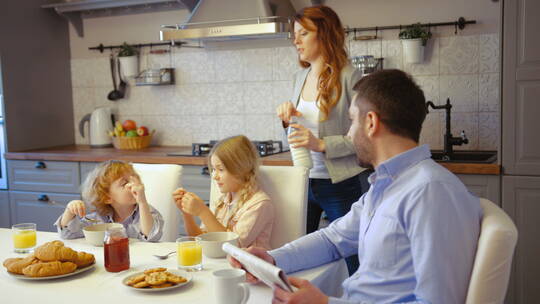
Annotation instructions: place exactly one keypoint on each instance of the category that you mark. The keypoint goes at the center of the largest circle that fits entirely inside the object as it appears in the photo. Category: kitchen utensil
(164, 257)
(123, 84)
(101, 121)
(114, 94)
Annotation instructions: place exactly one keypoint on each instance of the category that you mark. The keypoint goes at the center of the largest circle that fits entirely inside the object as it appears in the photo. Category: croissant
(84, 259)
(49, 269)
(16, 265)
(51, 251)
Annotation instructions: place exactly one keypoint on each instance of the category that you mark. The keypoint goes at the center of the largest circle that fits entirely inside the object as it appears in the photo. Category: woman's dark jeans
(335, 200)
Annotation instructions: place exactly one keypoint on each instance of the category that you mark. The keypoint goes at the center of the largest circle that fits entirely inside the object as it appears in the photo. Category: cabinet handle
(205, 171)
(43, 198)
(40, 165)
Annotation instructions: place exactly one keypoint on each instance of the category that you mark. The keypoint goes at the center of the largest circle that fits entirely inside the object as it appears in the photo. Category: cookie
(156, 278)
(141, 284)
(136, 279)
(151, 270)
(162, 285)
(175, 279)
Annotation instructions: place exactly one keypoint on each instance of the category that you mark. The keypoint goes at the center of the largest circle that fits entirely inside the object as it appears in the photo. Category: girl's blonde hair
(240, 159)
(96, 187)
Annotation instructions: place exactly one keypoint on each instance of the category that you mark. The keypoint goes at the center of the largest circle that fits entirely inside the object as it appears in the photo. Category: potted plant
(414, 39)
(129, 61)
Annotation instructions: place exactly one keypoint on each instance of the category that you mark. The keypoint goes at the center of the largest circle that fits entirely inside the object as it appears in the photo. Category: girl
(116, 192)
(242, 208)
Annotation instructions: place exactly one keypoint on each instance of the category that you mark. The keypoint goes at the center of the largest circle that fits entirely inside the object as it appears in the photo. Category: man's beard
(364, 153)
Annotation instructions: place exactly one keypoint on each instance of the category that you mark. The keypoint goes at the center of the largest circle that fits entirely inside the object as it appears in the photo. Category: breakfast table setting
(93, 283)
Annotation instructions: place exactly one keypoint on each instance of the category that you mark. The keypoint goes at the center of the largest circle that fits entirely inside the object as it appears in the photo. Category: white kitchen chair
(493, 261)
(160, 180)
(287, 187)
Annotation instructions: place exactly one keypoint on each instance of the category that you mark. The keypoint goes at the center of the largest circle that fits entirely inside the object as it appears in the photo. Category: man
(415, 231)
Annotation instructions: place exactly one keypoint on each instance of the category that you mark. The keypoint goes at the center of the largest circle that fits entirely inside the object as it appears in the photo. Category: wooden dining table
(98, 286)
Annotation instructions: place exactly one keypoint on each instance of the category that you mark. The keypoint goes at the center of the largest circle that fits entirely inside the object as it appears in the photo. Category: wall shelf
(74, 11)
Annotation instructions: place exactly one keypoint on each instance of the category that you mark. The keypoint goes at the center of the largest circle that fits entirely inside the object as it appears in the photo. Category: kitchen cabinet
(521, 200)
(486, 186)
(42, 208)
(520, 142)
(5, 221)
(36, 77)
(521, 88)
(51, 176)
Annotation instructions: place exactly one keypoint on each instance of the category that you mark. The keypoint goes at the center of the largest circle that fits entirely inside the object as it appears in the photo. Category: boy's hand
(137, 189)
(76, 207)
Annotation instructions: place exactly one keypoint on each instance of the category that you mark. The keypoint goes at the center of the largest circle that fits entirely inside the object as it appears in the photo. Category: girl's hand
(192, 204)
(76, 207)
(285, 111)
(177, 195)
(137, 189)
(302, 137)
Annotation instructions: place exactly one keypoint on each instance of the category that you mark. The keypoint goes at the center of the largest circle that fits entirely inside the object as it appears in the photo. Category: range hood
(226, 20)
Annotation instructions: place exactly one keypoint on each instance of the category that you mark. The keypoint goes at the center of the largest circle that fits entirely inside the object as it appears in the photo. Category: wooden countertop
(158, 155)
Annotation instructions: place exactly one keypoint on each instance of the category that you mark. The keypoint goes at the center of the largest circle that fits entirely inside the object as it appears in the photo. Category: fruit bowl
(132, 143)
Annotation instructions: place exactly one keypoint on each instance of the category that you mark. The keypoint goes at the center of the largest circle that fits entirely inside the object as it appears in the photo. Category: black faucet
(449, 140)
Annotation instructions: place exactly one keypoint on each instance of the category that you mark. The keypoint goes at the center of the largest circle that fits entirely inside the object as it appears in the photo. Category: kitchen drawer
(5, 221)
(47, 176)
(42, 208)
(86, 167)
(194, 181)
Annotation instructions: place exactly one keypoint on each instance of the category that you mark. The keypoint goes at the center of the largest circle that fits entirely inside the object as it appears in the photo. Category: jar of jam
(116, 249)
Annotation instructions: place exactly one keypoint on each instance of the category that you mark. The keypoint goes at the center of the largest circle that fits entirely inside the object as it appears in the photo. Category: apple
(132, 133)
(129, 125)
(142, 131)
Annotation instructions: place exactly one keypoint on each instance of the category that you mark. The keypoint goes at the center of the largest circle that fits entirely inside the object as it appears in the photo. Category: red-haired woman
(322, 93)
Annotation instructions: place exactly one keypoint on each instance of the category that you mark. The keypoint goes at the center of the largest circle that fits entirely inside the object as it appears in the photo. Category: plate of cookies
(157, 279)
(51, 260)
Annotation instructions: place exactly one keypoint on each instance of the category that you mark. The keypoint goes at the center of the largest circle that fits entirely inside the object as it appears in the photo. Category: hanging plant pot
(130, 66)
(413, 50)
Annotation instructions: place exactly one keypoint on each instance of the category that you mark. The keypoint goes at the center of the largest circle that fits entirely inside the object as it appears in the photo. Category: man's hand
(256, 251)
(307, 293)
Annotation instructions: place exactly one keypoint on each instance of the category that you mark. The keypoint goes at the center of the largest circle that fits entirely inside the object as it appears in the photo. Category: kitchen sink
(484, 157)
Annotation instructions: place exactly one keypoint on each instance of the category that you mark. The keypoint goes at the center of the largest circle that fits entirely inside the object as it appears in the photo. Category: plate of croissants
(51, 260)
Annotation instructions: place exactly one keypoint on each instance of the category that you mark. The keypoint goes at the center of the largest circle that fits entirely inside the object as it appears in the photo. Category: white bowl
(95, 234)
(211, 243)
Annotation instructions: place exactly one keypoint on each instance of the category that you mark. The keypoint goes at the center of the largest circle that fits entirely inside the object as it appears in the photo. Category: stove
(264, 147)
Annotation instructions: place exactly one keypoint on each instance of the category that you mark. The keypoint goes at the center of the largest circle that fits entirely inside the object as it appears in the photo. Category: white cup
(230, 287)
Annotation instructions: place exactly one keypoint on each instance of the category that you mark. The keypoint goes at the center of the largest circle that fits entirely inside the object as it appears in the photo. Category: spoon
(123, 84)
(164, 257)
(114, 94)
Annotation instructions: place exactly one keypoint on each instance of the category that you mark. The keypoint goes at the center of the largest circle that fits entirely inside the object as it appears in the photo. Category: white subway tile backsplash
(459, 55)
(257, 64)
(489, 88)
(221, 93)
(489, 53)
(285, 63)
(462, 91)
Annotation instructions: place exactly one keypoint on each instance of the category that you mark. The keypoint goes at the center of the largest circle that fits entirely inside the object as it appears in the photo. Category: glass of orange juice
(189, 253)
(24, 237)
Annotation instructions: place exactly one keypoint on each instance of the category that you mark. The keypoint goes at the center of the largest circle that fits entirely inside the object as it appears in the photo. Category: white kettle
(101, 122)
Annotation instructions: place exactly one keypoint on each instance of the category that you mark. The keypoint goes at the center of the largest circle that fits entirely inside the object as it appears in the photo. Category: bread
(53, 251)
(49, 259)
(16, 265)
(47, 269)
(84, 259)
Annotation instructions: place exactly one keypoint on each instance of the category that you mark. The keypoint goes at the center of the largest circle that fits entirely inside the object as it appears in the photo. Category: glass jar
(116, 249)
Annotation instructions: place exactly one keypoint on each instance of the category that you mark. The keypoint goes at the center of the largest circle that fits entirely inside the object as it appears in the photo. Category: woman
(322, 93)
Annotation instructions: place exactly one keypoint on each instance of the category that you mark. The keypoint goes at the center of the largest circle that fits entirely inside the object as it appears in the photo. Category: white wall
(222, 92)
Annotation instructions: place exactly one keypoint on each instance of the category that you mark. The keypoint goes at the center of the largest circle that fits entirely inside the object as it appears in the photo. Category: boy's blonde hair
(241, 159)
(96, 187)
